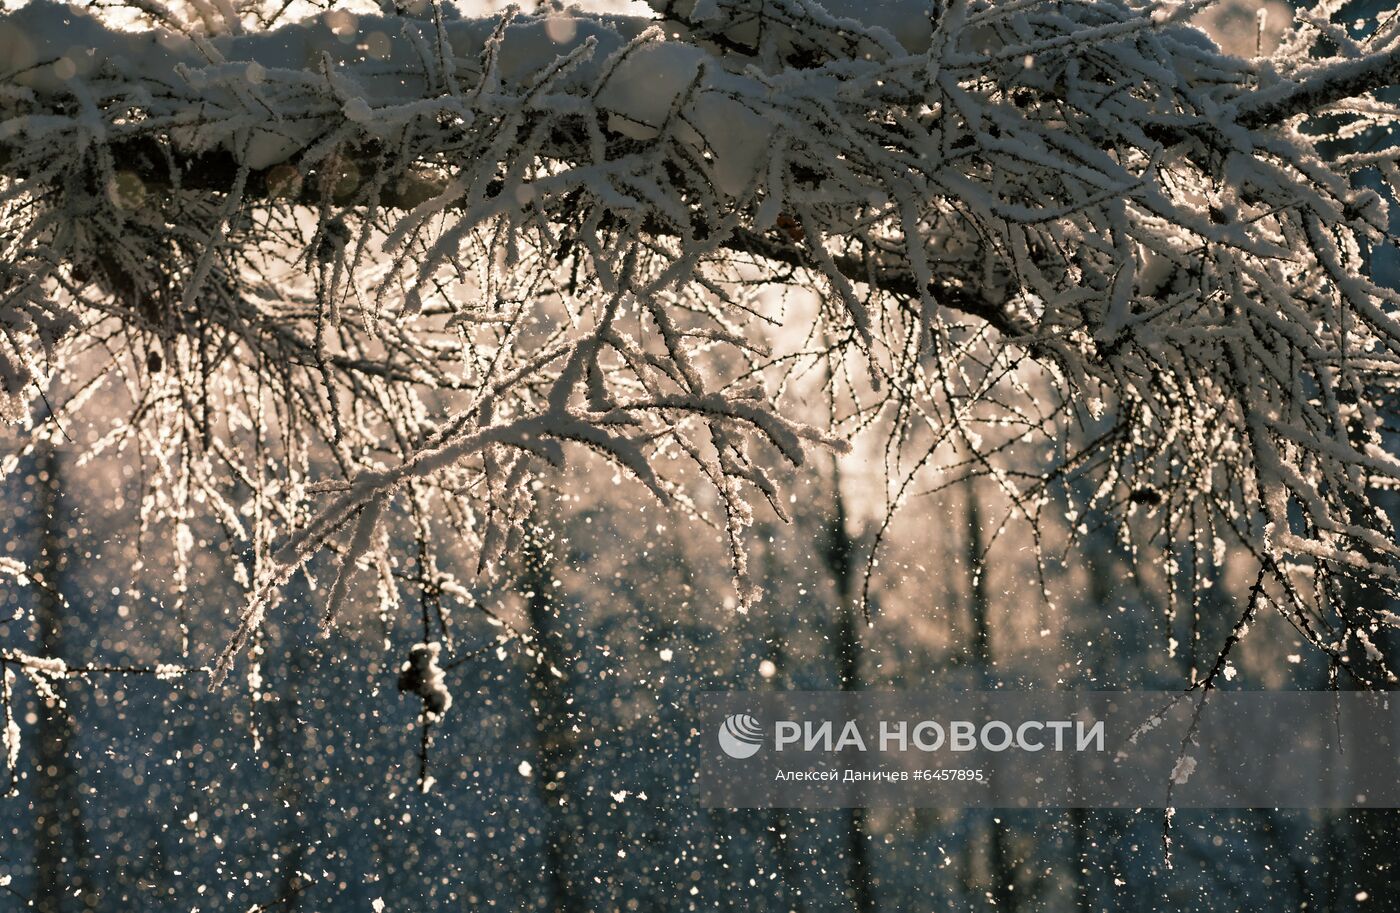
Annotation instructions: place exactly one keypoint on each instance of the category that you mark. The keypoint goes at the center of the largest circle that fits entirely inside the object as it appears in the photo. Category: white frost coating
(283, 72)
(359, 546)
(280, 61)
(643, 89)
(49, 666)
(372, 205)
(796, 24)
(10, 734)
(737, 137)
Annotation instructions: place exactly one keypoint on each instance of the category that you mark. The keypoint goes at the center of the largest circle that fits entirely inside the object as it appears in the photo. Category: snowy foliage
(368, 273)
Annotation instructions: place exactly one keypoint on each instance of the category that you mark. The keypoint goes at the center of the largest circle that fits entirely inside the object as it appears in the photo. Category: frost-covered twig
(44, 673)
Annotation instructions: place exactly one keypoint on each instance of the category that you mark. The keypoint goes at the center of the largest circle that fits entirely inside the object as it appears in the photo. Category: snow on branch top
(451, 250)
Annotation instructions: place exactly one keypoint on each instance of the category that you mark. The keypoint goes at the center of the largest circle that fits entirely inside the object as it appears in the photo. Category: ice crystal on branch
(360, 266)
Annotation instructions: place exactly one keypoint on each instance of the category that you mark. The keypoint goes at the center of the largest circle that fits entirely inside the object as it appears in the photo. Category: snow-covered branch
(1313, 90)
(389, 252)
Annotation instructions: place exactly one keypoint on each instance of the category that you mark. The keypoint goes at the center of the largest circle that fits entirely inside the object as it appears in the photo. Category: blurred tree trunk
(549, 703)
(287, 757)
(61, 855)
(1366, 858)
(782, 826)
(979, 605)
(1089, 829)
(839, 554)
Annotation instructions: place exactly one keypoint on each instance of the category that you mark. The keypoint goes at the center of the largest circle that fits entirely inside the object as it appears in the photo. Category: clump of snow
(422, 675)
(1183, 769)
(645, 86)
(359, 111)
